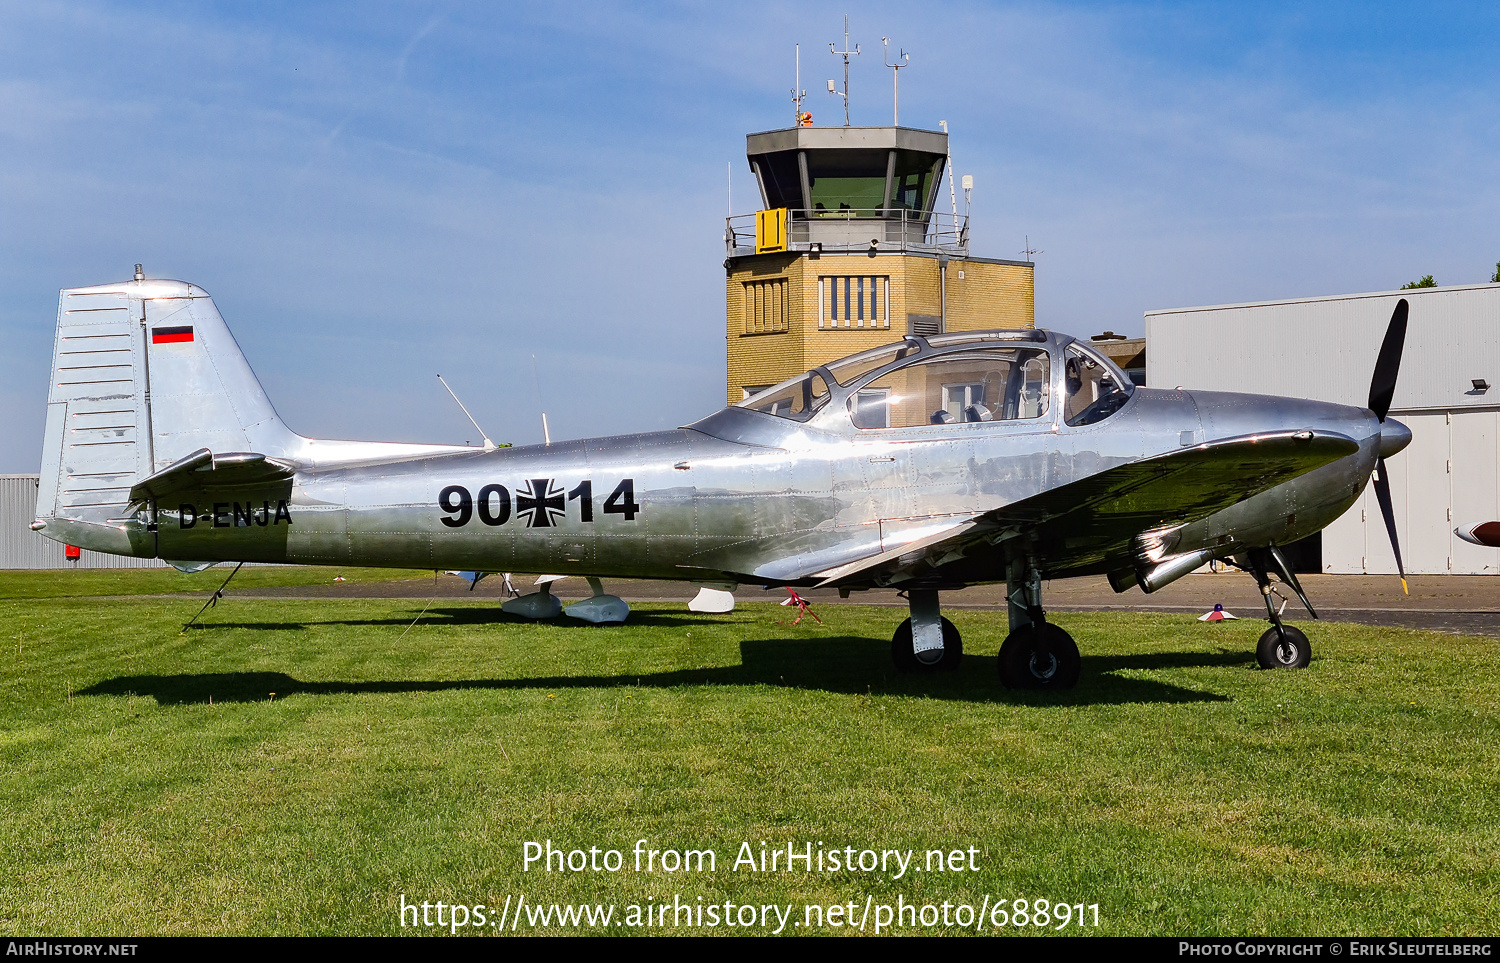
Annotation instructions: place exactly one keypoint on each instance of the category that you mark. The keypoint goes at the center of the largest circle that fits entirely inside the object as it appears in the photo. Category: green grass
(153, 784)
(55, 583)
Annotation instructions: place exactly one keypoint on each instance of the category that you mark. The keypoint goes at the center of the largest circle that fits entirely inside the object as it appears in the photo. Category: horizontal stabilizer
(204, 469)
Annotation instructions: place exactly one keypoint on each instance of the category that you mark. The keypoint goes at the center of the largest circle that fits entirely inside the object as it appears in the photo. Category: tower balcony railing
(858, 231)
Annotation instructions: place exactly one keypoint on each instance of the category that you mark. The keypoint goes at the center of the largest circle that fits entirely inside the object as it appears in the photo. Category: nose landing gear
(1282, 646)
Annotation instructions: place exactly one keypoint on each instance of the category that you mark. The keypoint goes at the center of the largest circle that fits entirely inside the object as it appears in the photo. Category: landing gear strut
(1036, 654)
(1282, 646)
(926, 642)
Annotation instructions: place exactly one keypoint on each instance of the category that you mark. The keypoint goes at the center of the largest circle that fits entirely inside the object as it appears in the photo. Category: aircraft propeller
(1382, 390)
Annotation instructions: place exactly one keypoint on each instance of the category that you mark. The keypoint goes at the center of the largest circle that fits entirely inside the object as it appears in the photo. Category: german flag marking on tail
(175, 335)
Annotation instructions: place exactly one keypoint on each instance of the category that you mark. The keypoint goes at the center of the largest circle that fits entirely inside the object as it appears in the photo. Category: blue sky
(377, 193)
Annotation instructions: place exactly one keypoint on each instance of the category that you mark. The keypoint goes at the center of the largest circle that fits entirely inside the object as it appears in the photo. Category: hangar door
(1450, 474)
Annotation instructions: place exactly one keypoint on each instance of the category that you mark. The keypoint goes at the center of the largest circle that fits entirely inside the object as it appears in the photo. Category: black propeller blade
(1383, 495)
(1382, 390)
(1383, 385)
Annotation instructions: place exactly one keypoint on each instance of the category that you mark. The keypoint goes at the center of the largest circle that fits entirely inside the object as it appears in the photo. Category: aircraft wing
(952, 533)
(1119, 503)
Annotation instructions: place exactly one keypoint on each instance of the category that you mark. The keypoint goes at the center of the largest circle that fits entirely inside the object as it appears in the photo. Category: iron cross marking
(542, 498)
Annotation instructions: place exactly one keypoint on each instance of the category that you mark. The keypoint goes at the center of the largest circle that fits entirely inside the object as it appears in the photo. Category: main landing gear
(1036, 654)
(1282, 646)
(926, 642)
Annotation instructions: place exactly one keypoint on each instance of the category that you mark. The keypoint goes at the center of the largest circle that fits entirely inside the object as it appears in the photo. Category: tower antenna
(846, 53)
(904, 59)
(797, 92)
(1030, 251)
(952, 196)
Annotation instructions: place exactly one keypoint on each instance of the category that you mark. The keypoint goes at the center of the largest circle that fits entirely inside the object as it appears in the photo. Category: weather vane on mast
(903, 59)
(846, 53)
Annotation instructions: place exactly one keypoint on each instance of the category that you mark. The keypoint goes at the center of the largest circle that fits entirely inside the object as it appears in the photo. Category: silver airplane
(926, 465)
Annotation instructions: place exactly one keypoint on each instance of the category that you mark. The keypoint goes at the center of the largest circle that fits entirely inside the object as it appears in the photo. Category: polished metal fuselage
(745, 496)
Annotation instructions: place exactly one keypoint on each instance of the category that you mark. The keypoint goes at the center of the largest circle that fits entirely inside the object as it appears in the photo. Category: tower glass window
(847, 183)
(913, 179)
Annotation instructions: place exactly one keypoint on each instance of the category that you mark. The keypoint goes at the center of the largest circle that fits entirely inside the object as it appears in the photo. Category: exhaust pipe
(1169, 570)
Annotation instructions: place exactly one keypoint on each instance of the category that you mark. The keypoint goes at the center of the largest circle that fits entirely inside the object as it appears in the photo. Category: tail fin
(145, 373)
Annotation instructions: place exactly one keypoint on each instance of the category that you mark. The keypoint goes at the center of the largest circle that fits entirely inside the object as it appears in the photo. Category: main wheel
(908, 660)
(1023, 664)
(1292, 652)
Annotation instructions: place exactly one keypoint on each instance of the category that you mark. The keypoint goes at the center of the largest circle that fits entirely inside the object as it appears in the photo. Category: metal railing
(858, 230)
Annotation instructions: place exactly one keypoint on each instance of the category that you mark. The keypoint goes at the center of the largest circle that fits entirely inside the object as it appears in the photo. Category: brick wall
(988, 296)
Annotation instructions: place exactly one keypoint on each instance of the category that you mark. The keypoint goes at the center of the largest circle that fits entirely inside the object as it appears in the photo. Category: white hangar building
(1448, 393)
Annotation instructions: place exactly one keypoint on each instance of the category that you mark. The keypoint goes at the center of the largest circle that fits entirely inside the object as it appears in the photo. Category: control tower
(849, 251)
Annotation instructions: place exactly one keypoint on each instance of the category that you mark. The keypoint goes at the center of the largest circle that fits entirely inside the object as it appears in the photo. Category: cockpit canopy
(968, 377)
(981, 384)
(795, 398)
(1094, 387)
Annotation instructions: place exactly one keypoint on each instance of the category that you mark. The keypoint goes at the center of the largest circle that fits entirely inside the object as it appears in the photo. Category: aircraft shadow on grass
(463, 617)
(847, 665)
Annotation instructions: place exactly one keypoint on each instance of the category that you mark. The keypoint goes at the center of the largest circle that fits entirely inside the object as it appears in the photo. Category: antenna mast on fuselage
(488, 445)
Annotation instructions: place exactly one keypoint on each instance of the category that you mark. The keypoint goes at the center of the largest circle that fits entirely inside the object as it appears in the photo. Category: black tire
(1274, 653)
(906, 658)
(1021, 666)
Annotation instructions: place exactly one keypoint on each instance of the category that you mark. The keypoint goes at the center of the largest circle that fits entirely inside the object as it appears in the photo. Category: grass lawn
(153, 784)
(65, 583)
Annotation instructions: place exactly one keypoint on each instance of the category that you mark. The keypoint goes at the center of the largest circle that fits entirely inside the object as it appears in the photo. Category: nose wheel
(1283, 647)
